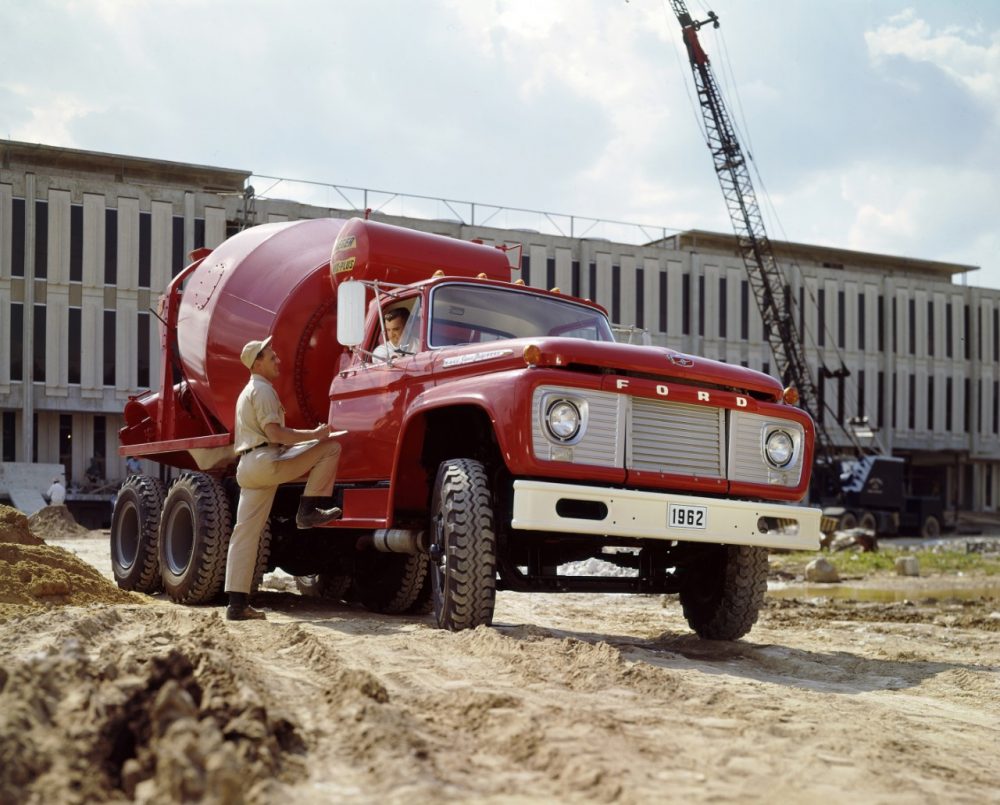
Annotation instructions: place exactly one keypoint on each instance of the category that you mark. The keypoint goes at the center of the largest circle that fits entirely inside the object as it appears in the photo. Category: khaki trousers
(259, 473)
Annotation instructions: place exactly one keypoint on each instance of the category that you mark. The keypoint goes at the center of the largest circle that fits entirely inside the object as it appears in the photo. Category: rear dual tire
(135, 534)
(195, 530)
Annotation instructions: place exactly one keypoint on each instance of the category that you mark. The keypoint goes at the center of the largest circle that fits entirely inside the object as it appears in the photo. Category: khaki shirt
(258, 405)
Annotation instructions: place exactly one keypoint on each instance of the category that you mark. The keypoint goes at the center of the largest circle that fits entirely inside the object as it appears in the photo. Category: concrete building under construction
(89, 240)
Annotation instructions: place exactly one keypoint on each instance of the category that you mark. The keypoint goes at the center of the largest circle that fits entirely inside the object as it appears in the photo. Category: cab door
(370, 397)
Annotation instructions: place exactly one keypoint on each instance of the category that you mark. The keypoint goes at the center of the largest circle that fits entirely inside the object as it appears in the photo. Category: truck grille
(677, 438)
(746, 450)
(601, 442)
(650, 435)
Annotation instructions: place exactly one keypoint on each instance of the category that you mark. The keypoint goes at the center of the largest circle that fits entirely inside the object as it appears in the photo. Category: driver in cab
(395, 322)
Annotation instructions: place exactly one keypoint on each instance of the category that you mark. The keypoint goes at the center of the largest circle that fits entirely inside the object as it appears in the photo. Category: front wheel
(847, 521)
(724, 591)
(931, 528)
(463, 546)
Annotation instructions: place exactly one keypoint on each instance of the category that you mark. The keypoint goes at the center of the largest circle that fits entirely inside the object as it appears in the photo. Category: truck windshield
(469, 314)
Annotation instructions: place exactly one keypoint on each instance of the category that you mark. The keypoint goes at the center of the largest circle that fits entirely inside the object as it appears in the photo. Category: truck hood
(624, 359)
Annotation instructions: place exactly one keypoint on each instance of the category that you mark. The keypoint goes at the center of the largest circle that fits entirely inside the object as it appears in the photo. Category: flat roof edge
(14, 153)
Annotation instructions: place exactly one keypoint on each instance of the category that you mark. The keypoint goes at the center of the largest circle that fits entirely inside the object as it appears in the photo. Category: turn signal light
(790, 395)
(532, 354)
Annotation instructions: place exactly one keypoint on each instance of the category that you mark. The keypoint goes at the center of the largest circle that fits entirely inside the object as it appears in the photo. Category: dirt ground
(567, 698)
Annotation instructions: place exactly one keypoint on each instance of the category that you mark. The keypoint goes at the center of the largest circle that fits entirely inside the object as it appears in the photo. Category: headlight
(563, 420)
(779, 448)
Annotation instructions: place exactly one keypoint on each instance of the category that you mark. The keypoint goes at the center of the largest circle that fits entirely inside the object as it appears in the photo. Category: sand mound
(14, 527)
(35, 577)
(55, 522)
(99, 717)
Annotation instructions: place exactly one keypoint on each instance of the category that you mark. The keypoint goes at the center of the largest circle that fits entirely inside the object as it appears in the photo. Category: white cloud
(617, 57)
(969, 57)
(50, 116)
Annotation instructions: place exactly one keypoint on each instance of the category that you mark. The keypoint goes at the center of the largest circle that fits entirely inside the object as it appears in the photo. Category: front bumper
(643, 515)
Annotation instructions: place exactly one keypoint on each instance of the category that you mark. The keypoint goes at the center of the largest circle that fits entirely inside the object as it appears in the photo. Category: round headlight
(563, 420)
(779, 447)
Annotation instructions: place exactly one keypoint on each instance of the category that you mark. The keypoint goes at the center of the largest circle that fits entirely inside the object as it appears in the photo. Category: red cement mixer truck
(506, 440)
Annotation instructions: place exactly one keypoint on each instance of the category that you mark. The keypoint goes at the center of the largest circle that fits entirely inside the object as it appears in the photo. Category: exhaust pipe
(400, 540)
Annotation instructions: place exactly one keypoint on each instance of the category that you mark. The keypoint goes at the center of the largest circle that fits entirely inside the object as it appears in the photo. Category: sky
(872, 124)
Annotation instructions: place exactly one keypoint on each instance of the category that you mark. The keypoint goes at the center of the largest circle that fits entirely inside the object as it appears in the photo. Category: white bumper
(643, 515)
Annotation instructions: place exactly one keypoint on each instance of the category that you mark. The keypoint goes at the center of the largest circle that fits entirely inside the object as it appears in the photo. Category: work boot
(239, 609)
(311, 512)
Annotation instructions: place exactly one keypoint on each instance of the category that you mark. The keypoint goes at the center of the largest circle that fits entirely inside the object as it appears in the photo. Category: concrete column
(888, 294)
(188, 224)
(564, 270)
(626, 290)
(651, 297)
(28, 339)
(215, 226)
(602, 293)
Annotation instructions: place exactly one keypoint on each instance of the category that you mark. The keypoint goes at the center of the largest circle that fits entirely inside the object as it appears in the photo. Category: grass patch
(849, 563)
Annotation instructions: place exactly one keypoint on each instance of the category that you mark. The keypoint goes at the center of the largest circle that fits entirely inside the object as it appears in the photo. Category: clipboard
(299, 448)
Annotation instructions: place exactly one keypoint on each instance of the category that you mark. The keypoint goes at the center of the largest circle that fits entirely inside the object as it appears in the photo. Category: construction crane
(867, 488)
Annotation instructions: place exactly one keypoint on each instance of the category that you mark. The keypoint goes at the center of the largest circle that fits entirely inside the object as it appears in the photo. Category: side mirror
(350, 313)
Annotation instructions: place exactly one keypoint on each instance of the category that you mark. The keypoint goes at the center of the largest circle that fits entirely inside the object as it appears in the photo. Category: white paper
(300, 447)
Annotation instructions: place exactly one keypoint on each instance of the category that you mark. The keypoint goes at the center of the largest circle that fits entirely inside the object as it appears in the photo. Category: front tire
(194, 539)
(463, 546)
(847, 521)
(725, 591)
(135, 534)
(931, 528)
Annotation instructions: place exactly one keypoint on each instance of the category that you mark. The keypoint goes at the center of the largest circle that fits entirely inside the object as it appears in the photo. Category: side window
(401, 325)
(411, 332)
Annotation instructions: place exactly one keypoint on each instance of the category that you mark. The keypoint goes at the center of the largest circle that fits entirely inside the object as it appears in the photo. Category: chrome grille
(655, 435)
(746, 450)
(677, 438)
(601, 443)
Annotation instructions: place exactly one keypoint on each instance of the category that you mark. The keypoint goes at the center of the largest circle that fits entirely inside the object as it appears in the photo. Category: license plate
(680, 516)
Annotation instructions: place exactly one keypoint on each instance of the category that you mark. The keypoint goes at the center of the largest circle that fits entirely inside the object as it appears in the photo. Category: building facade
(88, 241)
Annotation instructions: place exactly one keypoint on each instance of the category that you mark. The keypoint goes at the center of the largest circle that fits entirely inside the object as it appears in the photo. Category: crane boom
(765, 277)
(870, 487)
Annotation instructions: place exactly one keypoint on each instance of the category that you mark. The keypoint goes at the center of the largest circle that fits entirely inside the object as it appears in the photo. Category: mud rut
(568, 697)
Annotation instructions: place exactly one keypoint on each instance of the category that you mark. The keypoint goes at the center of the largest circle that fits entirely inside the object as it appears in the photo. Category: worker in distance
(272, 454)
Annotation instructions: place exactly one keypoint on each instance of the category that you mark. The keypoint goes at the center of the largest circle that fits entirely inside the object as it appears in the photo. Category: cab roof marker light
(532, 354)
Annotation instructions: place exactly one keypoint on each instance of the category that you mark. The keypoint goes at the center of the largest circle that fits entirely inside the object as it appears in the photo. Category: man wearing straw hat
(262, 442)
